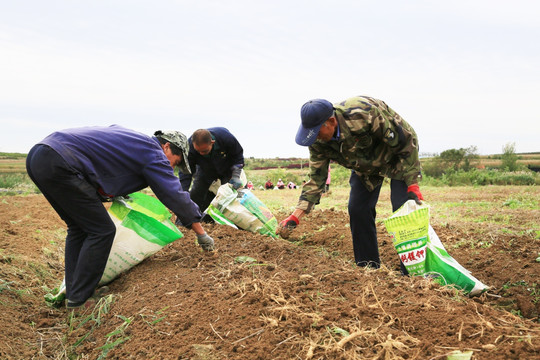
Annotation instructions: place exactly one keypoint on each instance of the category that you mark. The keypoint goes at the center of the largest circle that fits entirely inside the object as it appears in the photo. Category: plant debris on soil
(257, 297)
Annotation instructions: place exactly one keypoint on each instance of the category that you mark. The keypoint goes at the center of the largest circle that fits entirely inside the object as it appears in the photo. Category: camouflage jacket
(373, 140)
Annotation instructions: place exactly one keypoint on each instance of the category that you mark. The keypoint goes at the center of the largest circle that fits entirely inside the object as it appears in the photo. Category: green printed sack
(410, 238)
(219, 217)
(143, 227)
(259, 209)
(423, 253)
(243, 210)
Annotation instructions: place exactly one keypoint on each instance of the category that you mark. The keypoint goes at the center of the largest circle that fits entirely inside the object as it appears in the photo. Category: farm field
(300, 299)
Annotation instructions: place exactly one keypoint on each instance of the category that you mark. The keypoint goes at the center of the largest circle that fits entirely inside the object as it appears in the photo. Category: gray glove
(205, 241)
(235, 178)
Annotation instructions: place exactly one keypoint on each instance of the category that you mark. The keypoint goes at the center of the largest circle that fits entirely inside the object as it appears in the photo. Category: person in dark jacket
(76, 169)
(214, 154)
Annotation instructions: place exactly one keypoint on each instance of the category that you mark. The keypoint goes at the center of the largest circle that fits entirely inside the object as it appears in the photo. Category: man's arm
(311, 193)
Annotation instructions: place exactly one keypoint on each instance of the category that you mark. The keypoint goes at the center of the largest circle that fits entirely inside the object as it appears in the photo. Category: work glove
(205, 241)
(235, 178)
(286, 226)
(413, 193)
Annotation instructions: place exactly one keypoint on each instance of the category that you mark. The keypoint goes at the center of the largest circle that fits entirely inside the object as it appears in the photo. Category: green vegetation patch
(13, 156)
(521, 202)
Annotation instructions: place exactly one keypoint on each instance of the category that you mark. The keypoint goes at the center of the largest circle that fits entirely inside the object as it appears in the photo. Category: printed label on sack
(413, 255)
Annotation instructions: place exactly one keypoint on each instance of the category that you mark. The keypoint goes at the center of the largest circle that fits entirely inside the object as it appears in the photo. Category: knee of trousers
(360, 211)
(108, 232)
(111, 232)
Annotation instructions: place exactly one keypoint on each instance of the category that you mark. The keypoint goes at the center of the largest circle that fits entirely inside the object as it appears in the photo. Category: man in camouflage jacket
(365, 135)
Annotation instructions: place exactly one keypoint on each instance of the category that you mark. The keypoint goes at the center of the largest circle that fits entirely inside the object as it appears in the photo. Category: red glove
(413, 193)
(286, 226)
(290, 222)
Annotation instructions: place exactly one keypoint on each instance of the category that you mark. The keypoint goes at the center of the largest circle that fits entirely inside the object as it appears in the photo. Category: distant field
(532, 159)
(16, 163)
(12, 165)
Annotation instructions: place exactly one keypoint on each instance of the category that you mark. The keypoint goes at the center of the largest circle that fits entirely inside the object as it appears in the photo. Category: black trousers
(90, 230)
(362, 213)
(199, 192)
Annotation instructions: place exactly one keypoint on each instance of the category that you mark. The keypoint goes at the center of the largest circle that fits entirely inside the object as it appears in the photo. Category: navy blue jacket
(226, 153)
(120, 161)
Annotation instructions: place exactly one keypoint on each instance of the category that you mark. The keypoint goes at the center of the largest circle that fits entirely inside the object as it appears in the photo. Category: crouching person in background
(214, 154)
(77, 169)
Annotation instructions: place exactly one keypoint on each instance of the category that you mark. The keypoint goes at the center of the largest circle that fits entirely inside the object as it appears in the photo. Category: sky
(462, 73)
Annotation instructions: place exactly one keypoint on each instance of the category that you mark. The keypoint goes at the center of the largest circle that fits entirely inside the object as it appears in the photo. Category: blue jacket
(120, 161)
(226, 153)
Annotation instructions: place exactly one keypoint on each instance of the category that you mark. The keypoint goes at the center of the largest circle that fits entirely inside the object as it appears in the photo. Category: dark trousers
(90, 230)
(362, 215)
(199, 192)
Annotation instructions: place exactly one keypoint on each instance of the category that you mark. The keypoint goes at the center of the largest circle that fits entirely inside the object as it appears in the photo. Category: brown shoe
(86, 304)
(102, 291)
(83, 308)
(98, 293)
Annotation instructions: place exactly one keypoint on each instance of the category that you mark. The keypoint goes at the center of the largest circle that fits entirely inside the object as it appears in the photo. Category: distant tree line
(285, 163)
(12, 156)
(466, 159)
(464, 167)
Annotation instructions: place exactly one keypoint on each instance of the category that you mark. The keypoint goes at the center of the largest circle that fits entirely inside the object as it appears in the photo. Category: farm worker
(365, 135)
(269, 185)
(76, 169)
(214, 154)
(280, 184)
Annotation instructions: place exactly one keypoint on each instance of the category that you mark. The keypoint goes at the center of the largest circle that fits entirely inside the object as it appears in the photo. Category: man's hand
(235, 177)
(205, 241)
(413, 193)
(286, 226)
(236, 183)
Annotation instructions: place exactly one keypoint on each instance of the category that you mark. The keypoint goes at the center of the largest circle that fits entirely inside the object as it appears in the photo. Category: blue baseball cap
(314, 113)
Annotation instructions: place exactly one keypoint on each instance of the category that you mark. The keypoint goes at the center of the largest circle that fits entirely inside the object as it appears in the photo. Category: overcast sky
(462, 73)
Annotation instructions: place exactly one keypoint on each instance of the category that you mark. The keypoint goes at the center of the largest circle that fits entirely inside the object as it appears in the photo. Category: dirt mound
(263, 298)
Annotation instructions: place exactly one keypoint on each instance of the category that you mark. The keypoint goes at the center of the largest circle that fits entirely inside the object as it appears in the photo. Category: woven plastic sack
(219, 217)
(261, 211)
(143, 227)
(242, 209)
(214, 186)
(423, 253)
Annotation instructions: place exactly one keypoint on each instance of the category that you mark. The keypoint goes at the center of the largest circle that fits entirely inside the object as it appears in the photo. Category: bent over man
(214, 154)
(76, 169)
(365, 135)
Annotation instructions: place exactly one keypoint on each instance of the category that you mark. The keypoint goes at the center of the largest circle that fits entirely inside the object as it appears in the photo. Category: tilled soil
(301, 299)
